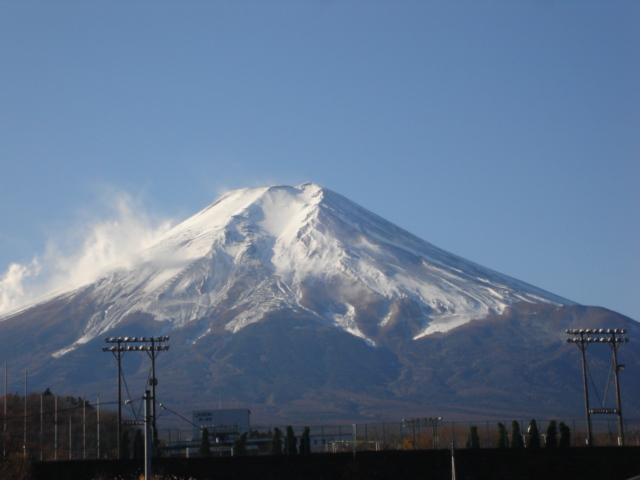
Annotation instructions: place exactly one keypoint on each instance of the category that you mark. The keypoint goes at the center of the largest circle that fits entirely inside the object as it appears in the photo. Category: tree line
(557, 435)
(278, 445)
(45, 426)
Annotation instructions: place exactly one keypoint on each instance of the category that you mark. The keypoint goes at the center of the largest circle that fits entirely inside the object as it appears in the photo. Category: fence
(48, 427)
(77, 431)
(428, 435)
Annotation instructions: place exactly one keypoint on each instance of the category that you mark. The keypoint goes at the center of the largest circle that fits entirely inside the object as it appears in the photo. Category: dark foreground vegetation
(608, 463)
(82, 438)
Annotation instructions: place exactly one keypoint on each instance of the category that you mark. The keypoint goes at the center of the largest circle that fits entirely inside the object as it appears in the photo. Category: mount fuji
(298, 303)
(259, 250)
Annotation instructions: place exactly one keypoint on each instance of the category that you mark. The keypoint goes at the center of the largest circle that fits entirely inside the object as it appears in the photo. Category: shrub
(15, 467)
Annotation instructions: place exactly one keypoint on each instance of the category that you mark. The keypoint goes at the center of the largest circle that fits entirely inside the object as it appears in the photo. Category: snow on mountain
(306, 248)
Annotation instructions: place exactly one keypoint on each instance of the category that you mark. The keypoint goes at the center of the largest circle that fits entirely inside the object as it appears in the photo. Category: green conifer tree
(474, 440)
(552, 435)
(205, 444)
(290, 441)
(138, 445)
(534, 435)
(240, 445)
(125, 446)
(565, 435)
(305, 441)
(157, 451)
(516, 436)
(275, 446)
(503, 441)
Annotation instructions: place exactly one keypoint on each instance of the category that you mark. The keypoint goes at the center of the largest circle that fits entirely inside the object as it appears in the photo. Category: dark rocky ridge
(292, 367)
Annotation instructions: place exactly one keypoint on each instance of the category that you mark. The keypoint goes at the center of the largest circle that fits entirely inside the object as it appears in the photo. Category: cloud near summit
(96, 247)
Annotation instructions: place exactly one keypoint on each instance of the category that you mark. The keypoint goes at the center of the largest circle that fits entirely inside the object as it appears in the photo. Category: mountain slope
(300, 304)
(255, 251)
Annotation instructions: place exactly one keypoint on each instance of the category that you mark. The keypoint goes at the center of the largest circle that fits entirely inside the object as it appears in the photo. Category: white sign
(204, 417)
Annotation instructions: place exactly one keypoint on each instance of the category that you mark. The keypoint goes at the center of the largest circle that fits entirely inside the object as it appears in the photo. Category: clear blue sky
(505, 132)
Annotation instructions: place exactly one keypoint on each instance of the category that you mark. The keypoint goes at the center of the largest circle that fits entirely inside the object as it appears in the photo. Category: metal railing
(432, 435)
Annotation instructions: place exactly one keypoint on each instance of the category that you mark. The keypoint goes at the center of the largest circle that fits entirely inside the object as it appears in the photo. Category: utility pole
(41, 424)
(24, 445)
(55, 425)
(98, 427)
(153, 352)
(453, 460)
(84, 427)
(582, 342)
(4, 430)
(434, 430)
(148, 447)
(614, 343)
(118, 353)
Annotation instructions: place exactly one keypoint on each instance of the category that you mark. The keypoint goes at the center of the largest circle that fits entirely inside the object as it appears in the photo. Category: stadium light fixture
(414, 423)
(119, 346)
(613, 337)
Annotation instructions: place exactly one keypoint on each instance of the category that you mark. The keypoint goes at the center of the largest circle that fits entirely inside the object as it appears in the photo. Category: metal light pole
(148, 447)
(118, 353)
(582, 343)
(614, 343)
(41, 424)
(84, 427)
(434, 430)
(119, 426)
(412, 423)
(55, 426)
(153, 352)
(453, 460)
(4, 430)
(24, 446)
(98, 427)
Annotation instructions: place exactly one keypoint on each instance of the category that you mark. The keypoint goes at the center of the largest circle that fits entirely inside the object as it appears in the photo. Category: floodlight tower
(153, 350)
(119, 351)
(434, 429)
(582, 342)
(614, 338)
(615, 342)
(412, 423)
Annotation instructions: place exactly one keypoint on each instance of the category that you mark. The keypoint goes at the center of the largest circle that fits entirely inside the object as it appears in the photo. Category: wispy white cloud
(83, 253)
(13, 285)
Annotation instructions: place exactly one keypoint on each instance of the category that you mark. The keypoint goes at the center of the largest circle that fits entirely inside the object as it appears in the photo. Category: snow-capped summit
(303, 305)
(258, 250)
